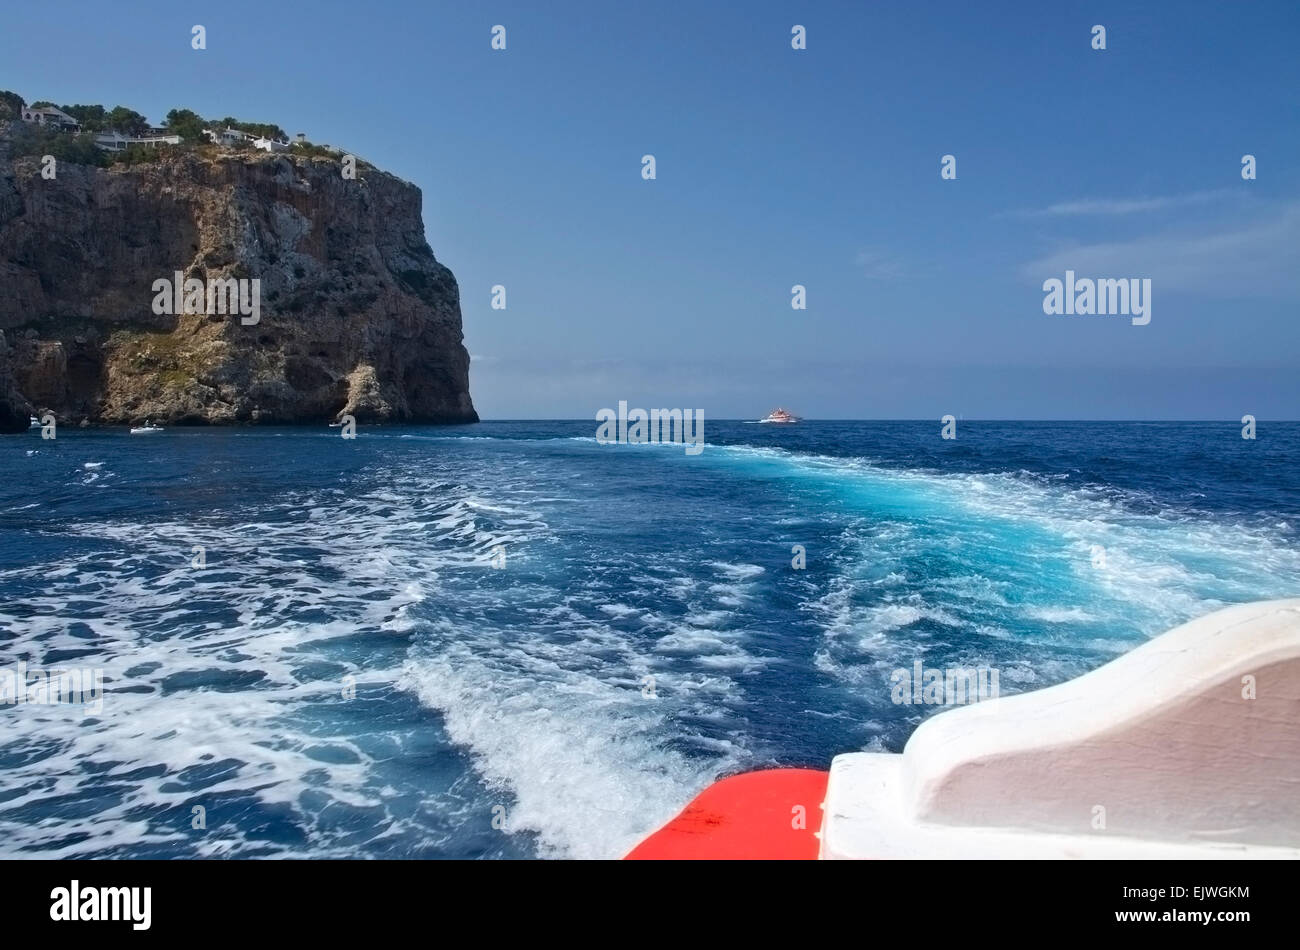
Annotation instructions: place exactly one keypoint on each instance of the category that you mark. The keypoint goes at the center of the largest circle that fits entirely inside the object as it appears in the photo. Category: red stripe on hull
(754, 816)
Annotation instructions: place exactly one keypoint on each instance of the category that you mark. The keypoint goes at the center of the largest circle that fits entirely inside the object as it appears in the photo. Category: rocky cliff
(356, 316)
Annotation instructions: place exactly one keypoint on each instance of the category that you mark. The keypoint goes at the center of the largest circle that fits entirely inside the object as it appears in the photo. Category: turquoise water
(350, 675)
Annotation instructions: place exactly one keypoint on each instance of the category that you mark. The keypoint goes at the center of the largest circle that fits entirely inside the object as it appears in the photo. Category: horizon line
(899, 419)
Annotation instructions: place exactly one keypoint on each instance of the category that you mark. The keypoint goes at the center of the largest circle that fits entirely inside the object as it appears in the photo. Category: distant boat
(335, 425)
(33, 422)
(146, 428)
(780, 415)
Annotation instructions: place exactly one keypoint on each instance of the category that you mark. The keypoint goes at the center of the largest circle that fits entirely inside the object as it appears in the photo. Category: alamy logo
(657, 425)
(949, 687)
(103, 903)
(220, 295)
(84, 687)
(1102, 296)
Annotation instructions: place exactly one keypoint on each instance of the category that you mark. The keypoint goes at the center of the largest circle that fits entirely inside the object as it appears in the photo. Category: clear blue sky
(776, 167)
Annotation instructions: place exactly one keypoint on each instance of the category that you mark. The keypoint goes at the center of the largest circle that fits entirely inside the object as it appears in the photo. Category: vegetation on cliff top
(32, 139)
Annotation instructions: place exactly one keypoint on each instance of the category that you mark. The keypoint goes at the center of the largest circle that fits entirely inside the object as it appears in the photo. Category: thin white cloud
(877, 264)
(1258, 258)
(1121, 206)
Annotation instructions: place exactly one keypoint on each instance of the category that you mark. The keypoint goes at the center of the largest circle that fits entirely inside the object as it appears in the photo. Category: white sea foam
(539, 673)
(1010, 557)
(619, 610)
(578, 760)
(199, 711)
(1059, 614)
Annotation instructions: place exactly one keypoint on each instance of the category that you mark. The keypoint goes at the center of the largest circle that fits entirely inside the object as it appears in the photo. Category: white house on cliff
(231, 137)
(50, 116)
(117, 142)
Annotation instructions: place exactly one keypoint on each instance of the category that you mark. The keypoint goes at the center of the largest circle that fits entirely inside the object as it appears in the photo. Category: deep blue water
(646, 634)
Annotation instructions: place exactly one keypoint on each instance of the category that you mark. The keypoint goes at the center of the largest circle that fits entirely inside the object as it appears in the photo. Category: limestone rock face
(15, 412)
(356, 315)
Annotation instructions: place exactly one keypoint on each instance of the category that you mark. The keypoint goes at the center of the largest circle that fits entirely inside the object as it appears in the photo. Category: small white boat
(33, 422)
(146, 428)
(780, 415)
(336, 425)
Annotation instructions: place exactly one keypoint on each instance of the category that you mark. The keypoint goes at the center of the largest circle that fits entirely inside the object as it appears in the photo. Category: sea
(508, 640)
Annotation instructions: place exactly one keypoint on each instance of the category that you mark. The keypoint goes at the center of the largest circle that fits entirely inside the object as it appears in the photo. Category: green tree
(138, 155)
(77, 150)
(11, 105)
(92, 118)
(267, 129)
(73, 149)
(127, 121)
(188, 125)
